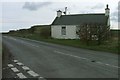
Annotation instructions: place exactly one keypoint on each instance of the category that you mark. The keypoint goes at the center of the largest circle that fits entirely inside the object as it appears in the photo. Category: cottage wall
(70, 32)
(108, 23)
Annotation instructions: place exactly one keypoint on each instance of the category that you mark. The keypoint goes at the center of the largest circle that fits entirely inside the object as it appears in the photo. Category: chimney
(107, 11)
(59, 13)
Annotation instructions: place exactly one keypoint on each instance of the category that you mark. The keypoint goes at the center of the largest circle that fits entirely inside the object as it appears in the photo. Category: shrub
(45, 32)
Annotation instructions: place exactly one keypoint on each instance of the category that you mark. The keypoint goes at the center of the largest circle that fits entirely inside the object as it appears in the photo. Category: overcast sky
(23, 13)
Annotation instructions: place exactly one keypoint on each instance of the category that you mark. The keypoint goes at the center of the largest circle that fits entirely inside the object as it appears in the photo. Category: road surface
(56, 61)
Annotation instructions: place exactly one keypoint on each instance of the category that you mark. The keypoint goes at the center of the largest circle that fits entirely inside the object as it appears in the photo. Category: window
(63, 30)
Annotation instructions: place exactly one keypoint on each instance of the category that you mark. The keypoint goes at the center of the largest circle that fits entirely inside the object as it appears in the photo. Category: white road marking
(5, 68)
(41, 77)
(15, 77)
(99, 62)
(71, 55)
(112, 66)
(20, 75)
(29, 44)
(15, 61)
(33, 73)
(25, 42)
(32, 45)
(10, 65)
(15, 69)
(26, 68)
(20, 64)
(108, 64)
(12, 38)
(86, 59)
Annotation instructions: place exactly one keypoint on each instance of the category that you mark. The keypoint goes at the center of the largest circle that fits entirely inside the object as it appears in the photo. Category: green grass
(108, 46)
(77, 43)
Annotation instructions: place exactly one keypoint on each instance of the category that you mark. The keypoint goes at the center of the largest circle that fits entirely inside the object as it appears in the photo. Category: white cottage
(65, 26)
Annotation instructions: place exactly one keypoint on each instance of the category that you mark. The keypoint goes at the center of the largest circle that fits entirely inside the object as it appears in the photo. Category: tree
(93, 32)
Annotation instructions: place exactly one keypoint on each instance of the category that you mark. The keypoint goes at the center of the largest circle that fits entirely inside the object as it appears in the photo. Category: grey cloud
(114, 16)
(119, 11)
(35, 5)
(98, 6)
(61, 8)
(56, 9)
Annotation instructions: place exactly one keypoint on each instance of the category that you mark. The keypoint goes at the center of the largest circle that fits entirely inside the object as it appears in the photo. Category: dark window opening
(63, 30)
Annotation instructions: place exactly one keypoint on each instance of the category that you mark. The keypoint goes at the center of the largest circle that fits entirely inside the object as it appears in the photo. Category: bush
(45, 32)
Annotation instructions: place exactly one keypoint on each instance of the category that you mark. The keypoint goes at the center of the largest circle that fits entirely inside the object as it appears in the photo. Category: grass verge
(108, 46)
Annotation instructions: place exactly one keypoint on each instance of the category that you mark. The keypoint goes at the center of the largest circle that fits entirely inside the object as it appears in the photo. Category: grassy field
(108, 46)
(112, 45)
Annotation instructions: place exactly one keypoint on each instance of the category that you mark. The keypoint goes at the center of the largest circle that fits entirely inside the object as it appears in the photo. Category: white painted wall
(70, 32)
(108, 23)
(107, 12)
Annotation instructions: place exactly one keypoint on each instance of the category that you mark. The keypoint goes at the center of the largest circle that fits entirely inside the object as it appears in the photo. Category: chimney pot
(59, 13)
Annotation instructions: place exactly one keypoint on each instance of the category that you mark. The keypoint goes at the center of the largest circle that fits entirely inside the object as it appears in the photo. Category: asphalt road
(57, 61)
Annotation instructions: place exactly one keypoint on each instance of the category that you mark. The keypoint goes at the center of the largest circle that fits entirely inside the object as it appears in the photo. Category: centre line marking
(71, 55)
(20, 75)
(86, 59)
(108, 64)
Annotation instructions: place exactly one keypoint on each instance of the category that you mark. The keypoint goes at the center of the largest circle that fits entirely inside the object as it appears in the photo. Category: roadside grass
(111, 45)
(107, 47)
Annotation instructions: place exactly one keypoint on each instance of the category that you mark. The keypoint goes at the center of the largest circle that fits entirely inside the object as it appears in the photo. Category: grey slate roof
(80, 19)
